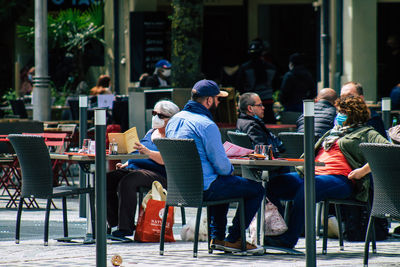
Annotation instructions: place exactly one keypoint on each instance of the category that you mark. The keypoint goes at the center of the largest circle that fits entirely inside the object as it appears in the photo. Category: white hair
(167, 107)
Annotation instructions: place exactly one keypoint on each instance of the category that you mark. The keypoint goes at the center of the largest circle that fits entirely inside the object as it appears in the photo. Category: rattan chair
(37, 180)
(294, 144)
(384, 162)
(240, 139)
(185, 185)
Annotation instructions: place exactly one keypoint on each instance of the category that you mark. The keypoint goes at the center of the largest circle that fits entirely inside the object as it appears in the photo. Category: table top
(87, 157)
(275, 162)
(280, 126)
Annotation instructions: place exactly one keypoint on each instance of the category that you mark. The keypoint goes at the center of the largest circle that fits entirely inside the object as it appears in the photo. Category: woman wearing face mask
(343, 175)
(123, 183)
(161, 75)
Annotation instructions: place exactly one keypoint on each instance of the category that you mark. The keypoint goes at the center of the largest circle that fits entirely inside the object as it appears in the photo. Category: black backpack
(356, 224)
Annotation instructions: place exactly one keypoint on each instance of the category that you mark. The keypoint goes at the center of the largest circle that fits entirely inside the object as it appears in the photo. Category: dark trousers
(225, 187)
(122, 187)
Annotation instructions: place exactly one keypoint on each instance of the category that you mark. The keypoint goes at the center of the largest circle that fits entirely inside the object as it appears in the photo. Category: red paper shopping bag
(149, 223)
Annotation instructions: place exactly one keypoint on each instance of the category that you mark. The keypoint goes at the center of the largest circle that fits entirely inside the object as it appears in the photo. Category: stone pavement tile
(33, 253)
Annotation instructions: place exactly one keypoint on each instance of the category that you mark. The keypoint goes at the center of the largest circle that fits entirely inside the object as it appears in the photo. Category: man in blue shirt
(195, 122)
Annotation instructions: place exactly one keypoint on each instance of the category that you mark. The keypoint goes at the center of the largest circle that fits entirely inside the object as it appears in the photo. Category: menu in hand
(233, 150)
(125, 140)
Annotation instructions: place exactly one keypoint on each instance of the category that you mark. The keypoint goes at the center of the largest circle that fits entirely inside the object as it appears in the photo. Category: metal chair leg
(368, 239)
(18, 226)
(319, 213)
(325, 232)
(339, 220)
(46, 223)
(183, 215)
(196, 232)
(162, 234)
(65, 218)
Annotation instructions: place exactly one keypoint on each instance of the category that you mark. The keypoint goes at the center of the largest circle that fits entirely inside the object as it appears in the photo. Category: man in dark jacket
(250, 122)
(161, 75)
(356, 89)
(297, 84)
(325, 112)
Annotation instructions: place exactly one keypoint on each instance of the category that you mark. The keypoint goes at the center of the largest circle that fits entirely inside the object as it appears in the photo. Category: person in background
(356, 89)
(161, 75)
(251, 113)
(297, 84)
(257, 75)
(195, 121)
(123, 183)
(345, 172)
(102, 86)
(324, 110)
(26, 81)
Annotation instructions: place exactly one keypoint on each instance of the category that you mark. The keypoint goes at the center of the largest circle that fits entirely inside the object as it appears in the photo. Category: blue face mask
(255, 116)
(340, 119)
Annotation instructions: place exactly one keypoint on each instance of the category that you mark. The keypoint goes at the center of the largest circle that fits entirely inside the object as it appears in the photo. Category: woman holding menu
(123, 183)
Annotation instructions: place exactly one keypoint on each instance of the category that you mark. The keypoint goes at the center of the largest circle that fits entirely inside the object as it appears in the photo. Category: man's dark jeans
(225, 187)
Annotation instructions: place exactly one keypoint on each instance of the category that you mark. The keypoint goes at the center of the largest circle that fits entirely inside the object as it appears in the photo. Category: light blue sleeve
(215, 151)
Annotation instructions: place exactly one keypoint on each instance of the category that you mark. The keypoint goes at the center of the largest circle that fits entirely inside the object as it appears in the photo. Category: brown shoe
(217, 244)
(250, 248)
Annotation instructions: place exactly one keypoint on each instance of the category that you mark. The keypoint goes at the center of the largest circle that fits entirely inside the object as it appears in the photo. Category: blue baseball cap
(208, 88)
(163, 63)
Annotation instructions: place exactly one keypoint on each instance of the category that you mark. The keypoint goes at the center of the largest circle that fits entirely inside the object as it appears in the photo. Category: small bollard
(386, 116)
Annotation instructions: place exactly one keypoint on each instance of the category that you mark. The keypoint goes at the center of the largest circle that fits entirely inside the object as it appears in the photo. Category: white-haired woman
(123, 183)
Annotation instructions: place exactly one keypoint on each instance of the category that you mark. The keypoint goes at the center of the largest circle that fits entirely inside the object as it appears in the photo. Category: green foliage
(9, 95)
(71, 29)
(186, 37)
(70, 32)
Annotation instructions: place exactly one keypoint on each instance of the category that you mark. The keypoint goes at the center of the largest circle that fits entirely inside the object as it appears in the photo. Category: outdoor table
(266, 165)
(85, 160)
(277, 128)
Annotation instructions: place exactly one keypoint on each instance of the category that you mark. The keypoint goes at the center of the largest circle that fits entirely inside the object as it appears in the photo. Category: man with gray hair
(250, 121)
(325, 112)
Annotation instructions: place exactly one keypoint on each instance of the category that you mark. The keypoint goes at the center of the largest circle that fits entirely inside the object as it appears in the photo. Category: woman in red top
(345, 166)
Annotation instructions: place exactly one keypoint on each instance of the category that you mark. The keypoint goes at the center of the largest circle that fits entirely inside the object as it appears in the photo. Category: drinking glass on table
(260, 149)
(85, 146)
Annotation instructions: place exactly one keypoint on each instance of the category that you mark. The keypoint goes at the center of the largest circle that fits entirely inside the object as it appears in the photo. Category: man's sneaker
(217, 244)
(250, 248)
(122, 233)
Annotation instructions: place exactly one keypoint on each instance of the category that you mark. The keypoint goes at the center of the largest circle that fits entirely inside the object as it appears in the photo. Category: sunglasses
(258, 105)
(161, 116)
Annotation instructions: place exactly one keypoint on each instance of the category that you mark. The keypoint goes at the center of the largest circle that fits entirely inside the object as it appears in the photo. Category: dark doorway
(224, 39)
(7, 65)
(388, 54)
(289, 29)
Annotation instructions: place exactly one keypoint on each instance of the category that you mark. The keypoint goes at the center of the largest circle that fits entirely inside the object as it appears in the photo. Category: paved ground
(31, 252)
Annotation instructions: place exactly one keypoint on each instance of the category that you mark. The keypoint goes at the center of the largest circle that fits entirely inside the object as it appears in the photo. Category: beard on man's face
(213, 107)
